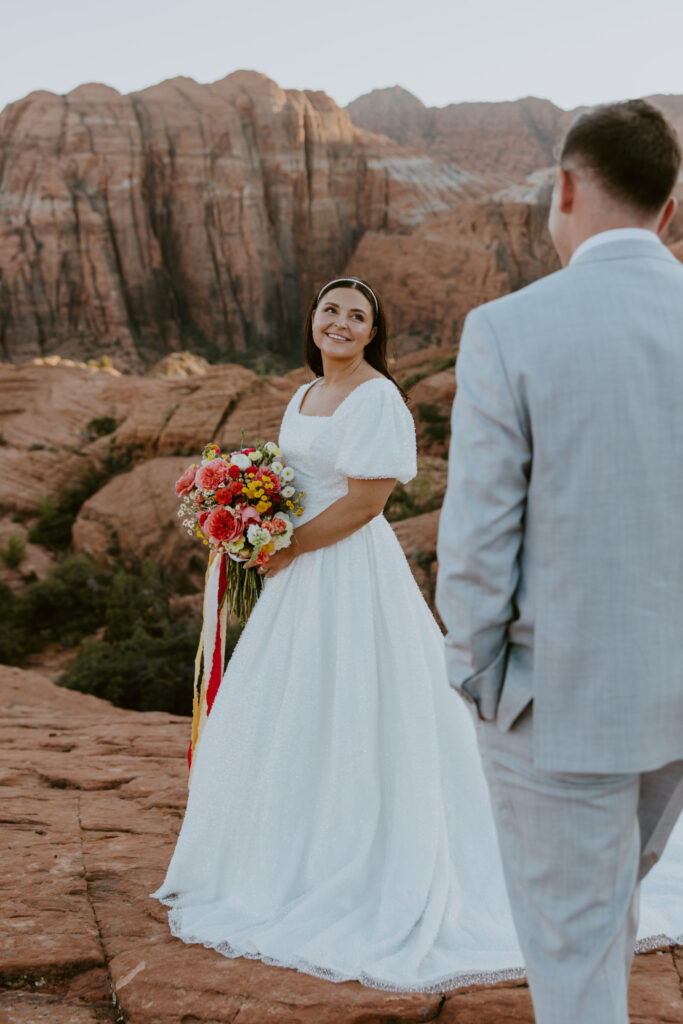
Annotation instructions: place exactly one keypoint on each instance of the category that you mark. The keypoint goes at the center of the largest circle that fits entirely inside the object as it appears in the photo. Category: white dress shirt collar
(614, 235)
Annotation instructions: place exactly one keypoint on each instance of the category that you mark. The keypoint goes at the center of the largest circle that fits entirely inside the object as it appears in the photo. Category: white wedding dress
(338, 820)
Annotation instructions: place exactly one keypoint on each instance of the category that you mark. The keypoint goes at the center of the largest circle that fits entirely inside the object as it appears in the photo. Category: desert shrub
(144, 672)
(16, 637)
(14, 552)
(145, 660)
(56, 518)
(100, 426)
(436, 420)
(413, 378)
(66, 605)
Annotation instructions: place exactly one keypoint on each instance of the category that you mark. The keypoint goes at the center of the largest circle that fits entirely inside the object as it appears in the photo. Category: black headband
(350, 280)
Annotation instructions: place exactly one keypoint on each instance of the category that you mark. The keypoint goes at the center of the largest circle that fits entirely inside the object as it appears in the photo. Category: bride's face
(342, 323)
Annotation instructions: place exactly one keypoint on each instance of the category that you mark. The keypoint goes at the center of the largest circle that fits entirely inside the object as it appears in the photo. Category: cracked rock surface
(92, 799)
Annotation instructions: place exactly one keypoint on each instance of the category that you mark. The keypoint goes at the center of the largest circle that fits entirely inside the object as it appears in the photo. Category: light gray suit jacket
(561, 536)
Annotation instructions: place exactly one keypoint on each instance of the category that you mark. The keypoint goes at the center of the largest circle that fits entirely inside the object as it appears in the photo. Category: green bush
(146, 658)
(100, 426)
(437, 426)
(147, 673)
(53, 528)
(17, 639)
(67, 605)
(14, 552)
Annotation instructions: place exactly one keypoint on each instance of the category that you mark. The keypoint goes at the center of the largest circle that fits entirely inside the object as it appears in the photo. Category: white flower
(287, 473)
(257, 535)
(240, 460)
(287, 491)
(276, 467)
(256, 455)
(272, 448)
(280, 541)
(236, 545)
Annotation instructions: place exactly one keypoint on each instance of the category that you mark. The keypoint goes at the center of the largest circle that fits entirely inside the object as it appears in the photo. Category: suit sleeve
(481, 525)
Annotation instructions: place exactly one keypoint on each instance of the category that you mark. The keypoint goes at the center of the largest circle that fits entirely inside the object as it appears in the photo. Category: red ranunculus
(223, 495)
(234, 471)
(222, 524)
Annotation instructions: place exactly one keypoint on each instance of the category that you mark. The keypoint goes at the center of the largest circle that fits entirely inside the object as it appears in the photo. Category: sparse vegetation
(422, 494)
(437, 427)
(53, 528)
(100, 426)
(413, 378)
(145, 660)
(15, 550)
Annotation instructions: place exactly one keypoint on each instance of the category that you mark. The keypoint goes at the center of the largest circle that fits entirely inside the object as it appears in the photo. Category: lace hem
(446, 983)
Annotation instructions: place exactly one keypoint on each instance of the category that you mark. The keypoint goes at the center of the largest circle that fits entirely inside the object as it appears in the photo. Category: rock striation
(189, 216)
(93, 797)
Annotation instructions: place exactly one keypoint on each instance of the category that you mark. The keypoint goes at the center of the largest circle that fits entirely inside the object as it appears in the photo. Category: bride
(338, 820)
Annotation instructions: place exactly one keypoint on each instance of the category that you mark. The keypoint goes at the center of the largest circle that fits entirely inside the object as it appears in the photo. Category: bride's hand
(277, 561)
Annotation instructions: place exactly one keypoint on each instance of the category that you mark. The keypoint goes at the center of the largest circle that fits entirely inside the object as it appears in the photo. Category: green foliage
(444, 363)
(14, 552)
(422, 494)
(53, 528)
(100, 426)
(65, 606)
(144, 672)
(146, 658)
(413, 378)
(437, 427)
(16, 637)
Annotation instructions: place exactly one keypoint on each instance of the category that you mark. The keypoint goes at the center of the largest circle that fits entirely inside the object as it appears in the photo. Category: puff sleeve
(378, 438)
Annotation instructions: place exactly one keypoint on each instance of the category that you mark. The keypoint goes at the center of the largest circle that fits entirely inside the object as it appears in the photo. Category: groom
(561, 561)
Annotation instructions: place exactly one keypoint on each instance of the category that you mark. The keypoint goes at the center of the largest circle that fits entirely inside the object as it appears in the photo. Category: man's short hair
(632, 149)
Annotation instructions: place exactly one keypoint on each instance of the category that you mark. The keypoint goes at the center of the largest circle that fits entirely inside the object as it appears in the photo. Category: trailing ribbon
(211, 650)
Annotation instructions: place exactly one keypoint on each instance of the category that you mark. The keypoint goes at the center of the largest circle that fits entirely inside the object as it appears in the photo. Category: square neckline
(328, 416)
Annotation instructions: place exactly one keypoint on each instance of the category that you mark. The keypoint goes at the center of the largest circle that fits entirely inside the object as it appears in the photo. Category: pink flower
(264, 473)
(249, 514)
(186, 482)
(201, 519)
(279, 525)
(212, 475)
(221, 524)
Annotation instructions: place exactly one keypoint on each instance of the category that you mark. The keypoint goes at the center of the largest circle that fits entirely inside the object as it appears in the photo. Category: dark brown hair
(631, 147)
(375, 351)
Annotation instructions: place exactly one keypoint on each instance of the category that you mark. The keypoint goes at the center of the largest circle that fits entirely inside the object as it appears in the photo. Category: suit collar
(624, 249)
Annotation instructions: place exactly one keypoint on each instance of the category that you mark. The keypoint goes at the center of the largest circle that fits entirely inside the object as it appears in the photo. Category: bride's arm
(364, 500)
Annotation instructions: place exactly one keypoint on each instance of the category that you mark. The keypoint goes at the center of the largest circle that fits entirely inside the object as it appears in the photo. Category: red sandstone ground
(92, 799)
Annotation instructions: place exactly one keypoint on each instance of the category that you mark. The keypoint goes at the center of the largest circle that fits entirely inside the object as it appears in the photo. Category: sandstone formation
(190, 216)
(51, 416)
(512, 137)
(93, 797)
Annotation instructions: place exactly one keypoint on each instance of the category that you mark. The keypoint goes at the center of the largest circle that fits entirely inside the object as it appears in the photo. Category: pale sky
(582, 52)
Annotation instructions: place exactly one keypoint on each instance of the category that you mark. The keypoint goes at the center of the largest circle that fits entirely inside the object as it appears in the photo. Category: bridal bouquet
(240, 504)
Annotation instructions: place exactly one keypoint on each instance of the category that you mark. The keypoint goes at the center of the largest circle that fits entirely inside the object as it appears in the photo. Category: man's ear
(667, 214)
(566, 190)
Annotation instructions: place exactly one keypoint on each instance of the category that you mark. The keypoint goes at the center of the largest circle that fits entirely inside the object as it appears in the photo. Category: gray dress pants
(574, 849)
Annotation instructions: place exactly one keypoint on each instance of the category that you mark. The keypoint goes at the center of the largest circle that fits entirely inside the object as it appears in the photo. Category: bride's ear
(373, 332)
